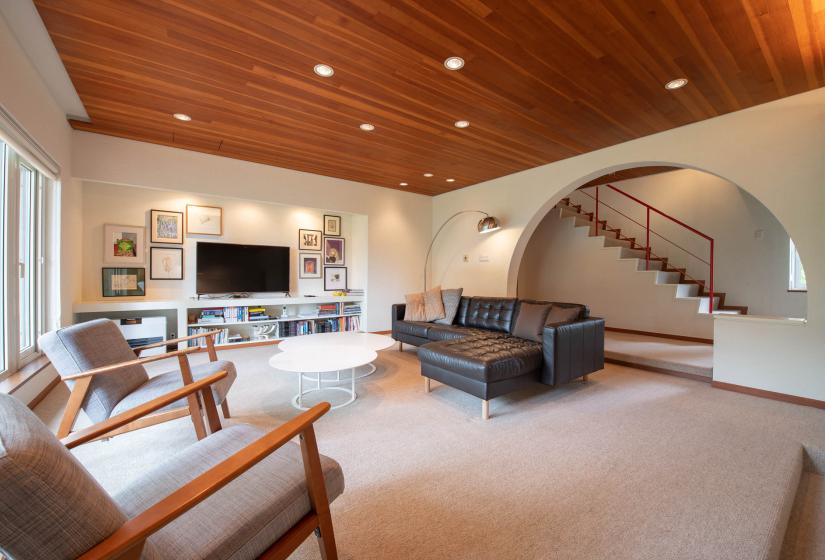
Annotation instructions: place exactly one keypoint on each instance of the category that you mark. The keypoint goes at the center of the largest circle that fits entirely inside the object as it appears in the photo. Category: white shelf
(279, 320)
(122, 304)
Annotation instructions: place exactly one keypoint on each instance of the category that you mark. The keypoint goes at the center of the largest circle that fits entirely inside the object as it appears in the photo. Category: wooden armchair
(106, 378)
(240, 493)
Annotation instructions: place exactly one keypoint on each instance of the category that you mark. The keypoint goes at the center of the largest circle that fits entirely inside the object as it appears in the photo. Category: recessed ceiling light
(182, 117)
(403, 184)
(676, 84)
(451, 180)
(428, 174)
(454, 63)
(324, 70)
(462, 124)
(367, 126)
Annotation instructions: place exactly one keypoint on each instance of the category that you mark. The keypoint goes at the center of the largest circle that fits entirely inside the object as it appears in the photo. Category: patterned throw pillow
(451, 299)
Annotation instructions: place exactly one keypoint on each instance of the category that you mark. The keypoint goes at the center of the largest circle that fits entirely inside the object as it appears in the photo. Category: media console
(255, 320)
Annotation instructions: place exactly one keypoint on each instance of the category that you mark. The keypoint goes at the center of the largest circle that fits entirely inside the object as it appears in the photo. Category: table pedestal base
(297, 401)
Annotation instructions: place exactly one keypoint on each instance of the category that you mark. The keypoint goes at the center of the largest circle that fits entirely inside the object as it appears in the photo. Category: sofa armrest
(572, 350)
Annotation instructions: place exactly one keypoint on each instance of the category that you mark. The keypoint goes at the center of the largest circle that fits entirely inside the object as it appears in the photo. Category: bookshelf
(289, 316)
(239, 324)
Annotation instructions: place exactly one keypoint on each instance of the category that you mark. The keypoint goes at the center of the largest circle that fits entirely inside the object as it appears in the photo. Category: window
(21, 258)
(797, 277)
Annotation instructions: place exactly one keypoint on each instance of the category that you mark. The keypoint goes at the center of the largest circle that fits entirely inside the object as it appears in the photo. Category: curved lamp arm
(447, 221)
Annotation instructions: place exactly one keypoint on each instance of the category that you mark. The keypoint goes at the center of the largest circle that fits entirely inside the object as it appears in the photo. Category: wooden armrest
(137, 529)
(135, 362)
(97, 430)
(175, 340)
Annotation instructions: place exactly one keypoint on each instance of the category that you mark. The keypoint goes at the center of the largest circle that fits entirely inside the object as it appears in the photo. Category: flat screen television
(231, 268)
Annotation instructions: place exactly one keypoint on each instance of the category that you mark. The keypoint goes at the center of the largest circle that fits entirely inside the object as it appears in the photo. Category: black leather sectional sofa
(478, 354)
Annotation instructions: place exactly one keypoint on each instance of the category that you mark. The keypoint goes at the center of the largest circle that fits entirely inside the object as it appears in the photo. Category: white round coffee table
(320, 341)
(335, 357)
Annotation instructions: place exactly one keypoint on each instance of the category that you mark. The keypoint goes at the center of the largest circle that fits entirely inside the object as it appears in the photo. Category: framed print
(124, 282)
(334, 251)
(124, 245)
(204, 220)
(166, 226)
(332, 225)
(335, 278)
(165, 263)
(309, 265)
(309, 240)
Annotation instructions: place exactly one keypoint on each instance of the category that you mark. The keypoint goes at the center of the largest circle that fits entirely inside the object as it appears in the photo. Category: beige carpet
(675, 355)
(633, 465)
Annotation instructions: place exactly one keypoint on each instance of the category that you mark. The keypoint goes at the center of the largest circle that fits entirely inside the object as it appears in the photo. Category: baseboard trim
(662, 335)
(381, 332)
(693, 376)
(42, 394)
(765, 394)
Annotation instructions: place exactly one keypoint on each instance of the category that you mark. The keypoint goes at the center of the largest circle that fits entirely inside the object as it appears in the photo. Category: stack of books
(211, 315)
(327, 309)
(257, 314)
(356, 292)
(352, 308)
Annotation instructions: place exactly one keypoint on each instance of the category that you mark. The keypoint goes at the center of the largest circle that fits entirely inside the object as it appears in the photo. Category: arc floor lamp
(486, 224)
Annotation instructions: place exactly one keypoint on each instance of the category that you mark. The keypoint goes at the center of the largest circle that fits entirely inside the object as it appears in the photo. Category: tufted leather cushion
(495, 314)
(461, 314)
(487, 358)
(452, 332)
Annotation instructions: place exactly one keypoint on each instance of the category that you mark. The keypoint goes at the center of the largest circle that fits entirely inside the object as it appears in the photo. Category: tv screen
(225, 267)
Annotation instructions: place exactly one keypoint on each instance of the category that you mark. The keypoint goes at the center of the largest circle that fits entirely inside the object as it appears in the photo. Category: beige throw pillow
(433, 304)
(415, 307)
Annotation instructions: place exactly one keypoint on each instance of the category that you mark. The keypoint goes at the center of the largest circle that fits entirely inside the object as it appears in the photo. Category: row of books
(352, 308)
(241, 314)
(257, 314)
(221, 338)
(224, 315)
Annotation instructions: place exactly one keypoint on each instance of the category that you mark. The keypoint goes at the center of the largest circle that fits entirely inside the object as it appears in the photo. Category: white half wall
(772, 151)
(397, 224)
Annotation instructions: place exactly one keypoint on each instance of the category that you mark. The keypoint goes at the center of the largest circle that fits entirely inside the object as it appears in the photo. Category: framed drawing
(309, 265)
(124, 282)
(204, 220)
(334, 251)
(335, 278)
(332, 225)
(165, 263)
(166, 226)
(309, 240)
(124, 245)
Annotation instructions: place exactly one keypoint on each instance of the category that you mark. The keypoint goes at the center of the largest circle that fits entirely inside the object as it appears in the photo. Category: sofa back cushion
(495, 314)
(461, 314)
(530, 319)
(559, 306)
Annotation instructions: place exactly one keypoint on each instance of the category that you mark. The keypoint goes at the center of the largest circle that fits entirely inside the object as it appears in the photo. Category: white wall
(397, 223)
(255, 223)
(751, 246)
(773, 151)
(563, 263)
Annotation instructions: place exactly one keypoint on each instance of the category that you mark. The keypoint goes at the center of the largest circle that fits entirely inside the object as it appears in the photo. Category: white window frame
(15, 358)
(796, 281)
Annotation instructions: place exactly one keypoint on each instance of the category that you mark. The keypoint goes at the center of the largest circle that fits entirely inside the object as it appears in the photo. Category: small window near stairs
(797, 273)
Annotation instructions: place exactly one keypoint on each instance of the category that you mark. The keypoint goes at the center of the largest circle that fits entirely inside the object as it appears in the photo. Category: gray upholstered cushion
(168, 382)
(450, 298)
(91, 345)
(560, 314)
(242, 519)
(50, 507)
(530, 320)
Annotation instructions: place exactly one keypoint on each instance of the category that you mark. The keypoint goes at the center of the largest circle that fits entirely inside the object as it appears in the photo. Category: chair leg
(584, 378)
(318, 499)
(485, 410)
(400, 346)
(427, 385)
(225, 408)
(73, 406)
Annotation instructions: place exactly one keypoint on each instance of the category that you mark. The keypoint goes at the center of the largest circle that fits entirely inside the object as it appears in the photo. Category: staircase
(687, 288)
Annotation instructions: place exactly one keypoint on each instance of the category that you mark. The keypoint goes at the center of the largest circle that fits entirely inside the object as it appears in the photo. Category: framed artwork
(335, 278)
(204, 220)
(166, 263)
(309, 265)
(166, 226)
(124, 282)
(309, 240)
(332, 225)
(334, 251)
(124, 245)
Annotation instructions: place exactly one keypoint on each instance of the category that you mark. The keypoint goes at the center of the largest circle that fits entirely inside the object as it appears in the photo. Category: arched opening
(668, 238)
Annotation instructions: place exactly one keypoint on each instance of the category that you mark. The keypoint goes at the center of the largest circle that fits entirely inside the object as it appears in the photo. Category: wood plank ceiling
(543, 81)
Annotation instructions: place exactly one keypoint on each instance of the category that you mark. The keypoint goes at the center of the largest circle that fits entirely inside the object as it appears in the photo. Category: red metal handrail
(648, 208)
